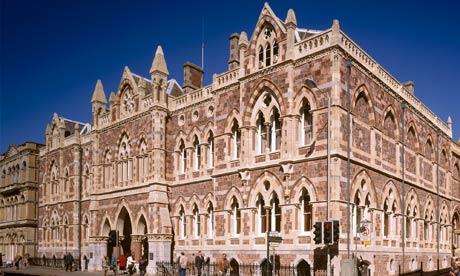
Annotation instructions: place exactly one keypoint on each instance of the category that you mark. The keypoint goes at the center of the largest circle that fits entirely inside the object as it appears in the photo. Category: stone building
(185, 168)
(18, 201)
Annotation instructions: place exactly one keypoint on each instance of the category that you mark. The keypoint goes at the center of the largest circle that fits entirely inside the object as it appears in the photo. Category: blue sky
(54, 51)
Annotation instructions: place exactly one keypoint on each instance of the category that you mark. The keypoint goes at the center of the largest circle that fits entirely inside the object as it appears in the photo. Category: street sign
(275, 239)
(365, 232)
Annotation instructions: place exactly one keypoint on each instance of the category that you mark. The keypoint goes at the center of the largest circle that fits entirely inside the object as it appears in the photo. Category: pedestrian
(182, 264)
(105, 265)
(199, 261)
(17, 261)
(143, 266)
(114, 263)
(86, 261)
(222, 265)
(130, 264)
(454, 270)
(68, 261)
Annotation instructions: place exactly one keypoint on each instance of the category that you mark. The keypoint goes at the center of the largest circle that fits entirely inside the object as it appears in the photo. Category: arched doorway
(303, 268)
(124, 228)
(455, 234)
(263, 267)
(142, 234)
(235, 268)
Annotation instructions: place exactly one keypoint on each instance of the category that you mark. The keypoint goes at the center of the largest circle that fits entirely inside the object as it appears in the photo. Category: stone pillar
(136, 246)
(98, 250)
(159, 250)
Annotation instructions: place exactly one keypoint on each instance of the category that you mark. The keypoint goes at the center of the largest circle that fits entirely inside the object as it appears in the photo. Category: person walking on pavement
(199, 261)
(130, 264)
(182, 264)
(68, 261)
(222, 265)
(105, 265)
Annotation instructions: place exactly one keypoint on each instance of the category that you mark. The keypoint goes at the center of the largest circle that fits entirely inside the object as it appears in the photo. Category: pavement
(47, 271)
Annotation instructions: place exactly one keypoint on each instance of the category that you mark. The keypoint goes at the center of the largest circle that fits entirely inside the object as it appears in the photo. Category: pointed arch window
(429, 150)
(357, 213)
(275, 135)
(182, 223)
(183, 157)
(236, 140)
(211, 150)
(261, 56)
(386, 218)
(261, 134)
(275, 214)
(275, 52)
(143, 164)
(426, 228)
(268, 54)
(408, 223)
(196, 221)
(305, 211)
(197, 154)
(261, 214)
(306, 130)
(236, 217)
(125, 163)
(210, 220)
(107, 170)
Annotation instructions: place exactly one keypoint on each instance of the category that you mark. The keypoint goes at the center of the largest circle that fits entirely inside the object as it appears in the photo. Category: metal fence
(172, 269)
(420, 272)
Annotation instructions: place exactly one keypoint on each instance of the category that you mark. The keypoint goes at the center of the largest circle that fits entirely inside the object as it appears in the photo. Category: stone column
(136, 246)
(159, 250)
(98, 248)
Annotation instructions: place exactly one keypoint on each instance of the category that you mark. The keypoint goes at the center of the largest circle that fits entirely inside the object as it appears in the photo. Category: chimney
(193, 77)
(234, 59)
(409, 86)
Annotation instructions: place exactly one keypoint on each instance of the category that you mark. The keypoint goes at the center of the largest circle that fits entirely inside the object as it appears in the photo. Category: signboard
(274, 238)
(365, 232)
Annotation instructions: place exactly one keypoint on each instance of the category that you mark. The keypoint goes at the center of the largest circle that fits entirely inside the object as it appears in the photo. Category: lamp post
(312, 84)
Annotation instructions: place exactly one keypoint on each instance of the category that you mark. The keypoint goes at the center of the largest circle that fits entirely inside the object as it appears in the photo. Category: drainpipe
(403, 150)
(80, 180)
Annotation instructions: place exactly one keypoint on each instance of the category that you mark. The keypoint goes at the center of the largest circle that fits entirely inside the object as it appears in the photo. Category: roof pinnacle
(159, 62)
(98, 94)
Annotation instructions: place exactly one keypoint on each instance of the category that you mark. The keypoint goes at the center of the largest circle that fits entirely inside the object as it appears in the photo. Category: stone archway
(124, 228)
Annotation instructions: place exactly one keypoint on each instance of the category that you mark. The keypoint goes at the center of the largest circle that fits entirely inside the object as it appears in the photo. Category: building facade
(213, 168)
(18, 201)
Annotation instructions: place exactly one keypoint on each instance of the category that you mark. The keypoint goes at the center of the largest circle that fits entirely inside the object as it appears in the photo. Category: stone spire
(98, 94)
(290, 18)
(159, 63)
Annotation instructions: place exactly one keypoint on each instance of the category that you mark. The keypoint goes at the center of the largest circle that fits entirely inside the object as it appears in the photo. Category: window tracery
(128, 101)
(268, 49)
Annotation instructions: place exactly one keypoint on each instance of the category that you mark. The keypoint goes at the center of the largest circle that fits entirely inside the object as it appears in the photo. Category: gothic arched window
(183, 157)
(236, 140)
(306, 130)
(211, 150)
(197, 153)
(236, 217)
(305, 211)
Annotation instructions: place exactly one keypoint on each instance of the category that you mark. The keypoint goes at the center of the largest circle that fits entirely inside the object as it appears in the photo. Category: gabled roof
(174, 89)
